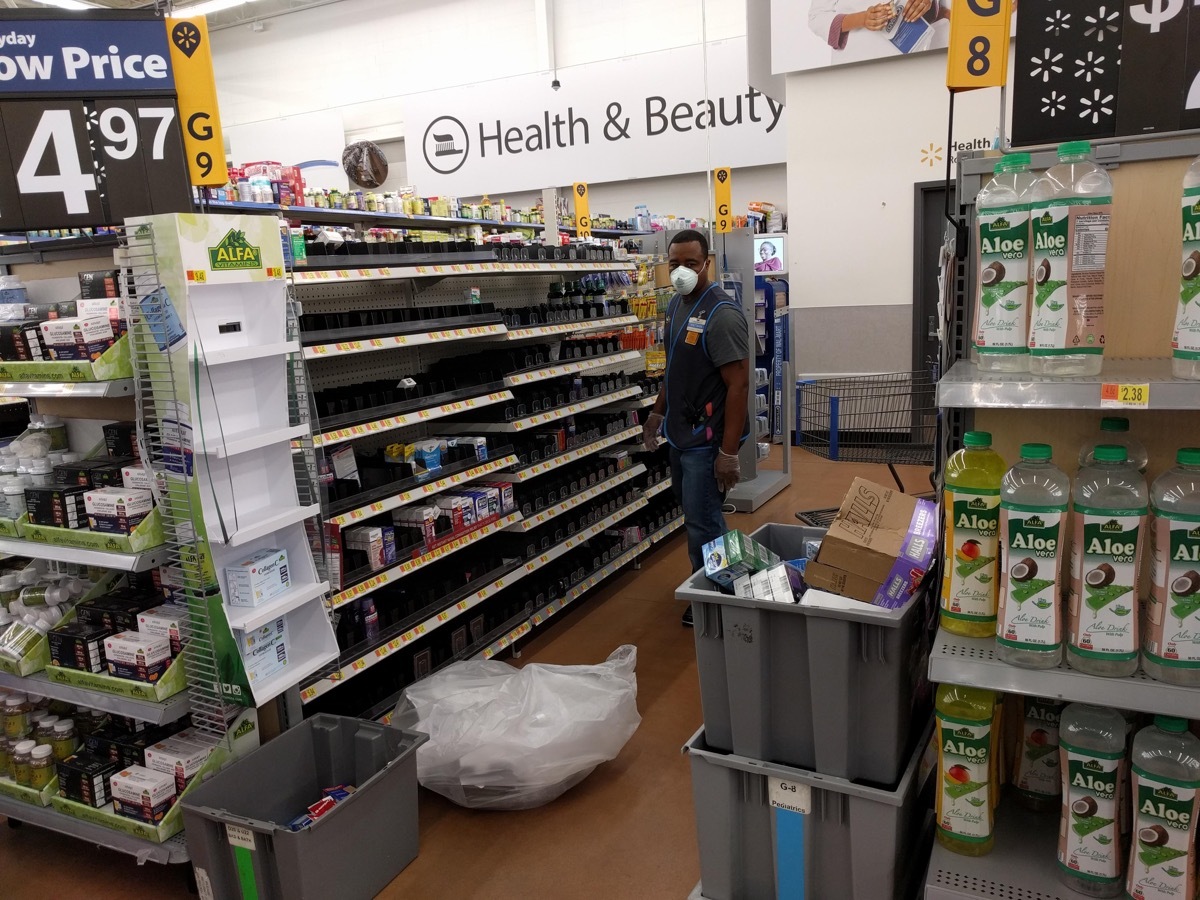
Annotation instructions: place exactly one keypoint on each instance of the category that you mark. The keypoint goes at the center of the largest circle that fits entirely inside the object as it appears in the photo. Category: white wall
(859, 138)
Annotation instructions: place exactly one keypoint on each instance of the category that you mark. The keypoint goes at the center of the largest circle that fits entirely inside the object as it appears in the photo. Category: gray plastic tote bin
(237, 822)
(832, 689)
(853, 843)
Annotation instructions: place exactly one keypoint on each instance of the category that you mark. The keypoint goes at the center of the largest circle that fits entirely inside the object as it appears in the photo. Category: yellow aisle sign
(191, 57)
(583, 216)
(723, 195)
(979, 36)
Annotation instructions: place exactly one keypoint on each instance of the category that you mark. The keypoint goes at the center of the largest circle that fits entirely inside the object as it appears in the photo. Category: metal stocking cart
(890, 419)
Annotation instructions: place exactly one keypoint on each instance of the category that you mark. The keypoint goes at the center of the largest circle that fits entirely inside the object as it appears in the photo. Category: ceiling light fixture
(206, 8)
(68, 4)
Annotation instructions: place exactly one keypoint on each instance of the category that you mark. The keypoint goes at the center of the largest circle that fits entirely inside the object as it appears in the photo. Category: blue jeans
(695, 485)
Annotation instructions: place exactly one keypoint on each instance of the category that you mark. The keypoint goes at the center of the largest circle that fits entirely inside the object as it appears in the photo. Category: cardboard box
(171, 622)
(139, 793)
(733, 555)
(117, 611)
(21, 341)
(136, 477)
(77, 338)
(150, 674)
(84, 778)
(121, 439)
(133, 648)
(60, 506)
(771, 584)
(102, 284)
(123, 748)
(368, 540)
(78, 473)
(264, 649)
(260, 577)
(878, 548)
(78, 645)
(110, 472)
(116, 510)
(177, 758)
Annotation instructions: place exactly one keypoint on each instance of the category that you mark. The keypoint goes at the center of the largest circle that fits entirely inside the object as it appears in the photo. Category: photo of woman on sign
(868, 31)
(770, 258)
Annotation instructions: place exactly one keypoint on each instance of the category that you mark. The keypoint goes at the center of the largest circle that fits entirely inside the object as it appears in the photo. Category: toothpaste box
(115, 510)
(133, 648)
(171, 622)
(136, 478)
(77, 338)
(264, 650)
(180, 759)
(258, 578)
(139, 793)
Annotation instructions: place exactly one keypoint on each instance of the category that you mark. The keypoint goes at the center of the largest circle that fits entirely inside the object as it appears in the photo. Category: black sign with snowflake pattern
(1067, 71)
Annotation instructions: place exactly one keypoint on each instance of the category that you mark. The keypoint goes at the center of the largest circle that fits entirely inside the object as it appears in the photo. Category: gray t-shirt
(727, 338)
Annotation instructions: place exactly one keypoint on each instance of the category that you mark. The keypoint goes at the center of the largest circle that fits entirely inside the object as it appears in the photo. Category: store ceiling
(242, 14)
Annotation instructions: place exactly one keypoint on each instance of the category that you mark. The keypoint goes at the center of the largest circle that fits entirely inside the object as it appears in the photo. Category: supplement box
(60, 506)
(108, 308)
(264, 649)
(150, 674)
(78, 645)
(78, 473)
(133, 648)
(367, 540)
(878, 548)
(116, 612)
(171, 622)
(260, 577)
(121, 439)
(115, 510)
(99, 285)
(84, 778)
(22, 341)
(77, 338)
(140, 793)
(177, 758)
(136, 478)
(772, 584)
(110, 472)
(122, 747)
(733, 555)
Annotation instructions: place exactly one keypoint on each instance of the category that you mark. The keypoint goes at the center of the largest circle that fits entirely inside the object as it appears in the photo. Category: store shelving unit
(122, 562)
(570, 456)
(168, 710)
(33, 390)
(526, 423)
(574, 502)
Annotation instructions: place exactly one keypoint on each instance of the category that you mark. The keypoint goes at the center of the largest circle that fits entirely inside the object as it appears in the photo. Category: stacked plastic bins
(810, 775)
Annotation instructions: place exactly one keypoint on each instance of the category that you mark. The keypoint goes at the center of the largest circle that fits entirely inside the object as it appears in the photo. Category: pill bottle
(22, 757)
(5, 758)
(44, 731)
(41, 767)
(16, 716)
(65, 741)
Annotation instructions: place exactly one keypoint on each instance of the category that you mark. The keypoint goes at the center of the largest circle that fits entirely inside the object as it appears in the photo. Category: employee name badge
(695, 328)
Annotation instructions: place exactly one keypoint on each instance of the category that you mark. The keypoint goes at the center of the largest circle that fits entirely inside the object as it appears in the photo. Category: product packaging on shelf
(178, 758)
(257, 579)
(78, 645)
(142, 794)
(171, 622)
(878, 548)
(116, 510)
(121, 439)
(84, 778)
(264, 650)
(99, 285)
(60, 506)
(733, 555)
(77, 338)
(136, 650)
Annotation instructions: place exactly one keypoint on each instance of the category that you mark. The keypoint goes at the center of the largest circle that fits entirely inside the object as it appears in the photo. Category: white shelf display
(217, 367)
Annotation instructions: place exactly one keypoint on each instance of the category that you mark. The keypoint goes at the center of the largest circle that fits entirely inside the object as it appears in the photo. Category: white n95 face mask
(684, 280)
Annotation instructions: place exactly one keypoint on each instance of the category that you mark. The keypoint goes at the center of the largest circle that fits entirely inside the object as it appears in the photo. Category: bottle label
(1163, 861)
(1185, 343)
(1105, 561)
(1070, 244)
(1172, 624)
(972, 542)
(1036, 764)
(1089, 845)
(964, 808)
(1031, 541)
(1002, 256)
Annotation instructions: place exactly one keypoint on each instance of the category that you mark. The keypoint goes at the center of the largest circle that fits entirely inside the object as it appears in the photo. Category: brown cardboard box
(878, 548)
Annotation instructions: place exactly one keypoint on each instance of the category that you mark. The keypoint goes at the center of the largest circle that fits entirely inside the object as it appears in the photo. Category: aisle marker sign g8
(979, 37)
(723, 199)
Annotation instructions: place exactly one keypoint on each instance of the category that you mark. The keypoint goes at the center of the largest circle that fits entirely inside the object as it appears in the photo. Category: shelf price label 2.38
(979, 36)
(1124, 396)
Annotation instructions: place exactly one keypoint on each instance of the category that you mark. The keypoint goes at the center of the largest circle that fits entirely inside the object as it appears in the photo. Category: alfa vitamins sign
(638, 117)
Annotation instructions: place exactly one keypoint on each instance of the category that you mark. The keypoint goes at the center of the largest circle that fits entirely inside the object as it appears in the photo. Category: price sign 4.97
(73, 163)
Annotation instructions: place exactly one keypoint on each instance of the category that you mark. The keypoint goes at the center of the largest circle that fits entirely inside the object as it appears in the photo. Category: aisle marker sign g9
(191, 55)
(723, 198)
(979, 36)
(89, 129)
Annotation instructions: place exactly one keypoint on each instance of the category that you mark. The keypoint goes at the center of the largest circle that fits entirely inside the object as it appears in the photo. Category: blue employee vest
(695, 390)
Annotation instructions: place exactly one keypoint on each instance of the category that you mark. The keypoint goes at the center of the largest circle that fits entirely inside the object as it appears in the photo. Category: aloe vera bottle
(1002, 247)
(972, 504)
(1091, 748)
(1166, 804)
(1033, 511)
(965, 719)
(1115, 430)
(1109, 506)
(1171, 630)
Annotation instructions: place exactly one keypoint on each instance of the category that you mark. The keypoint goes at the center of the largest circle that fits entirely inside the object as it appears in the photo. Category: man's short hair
(688, 236)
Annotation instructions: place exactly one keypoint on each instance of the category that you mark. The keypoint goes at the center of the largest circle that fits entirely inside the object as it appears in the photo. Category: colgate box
(878, 548)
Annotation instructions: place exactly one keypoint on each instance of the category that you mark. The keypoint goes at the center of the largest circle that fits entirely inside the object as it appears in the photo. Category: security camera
(555, 84)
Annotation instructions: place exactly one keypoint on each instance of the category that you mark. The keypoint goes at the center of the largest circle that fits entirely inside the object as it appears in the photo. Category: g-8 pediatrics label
(1172, 637)
(972, 547)
(1002, 257)
(1163, 861)
(964, 809)
(1089, 844)
(1185, 342)
(1105, 561)
(1031, 547)
(1070, 246)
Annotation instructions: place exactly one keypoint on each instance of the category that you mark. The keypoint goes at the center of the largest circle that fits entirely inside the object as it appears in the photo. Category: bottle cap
(1171, 724)
(1019, 160)
(977, 439)
(9, 583)
(41, 751)
(1111, 453)
(37, 715)
(1114, 423)
(1036, 451)
(48, 721)
(57, 594)
(1074, 148)
(14, 699)
(24, 746)
(62, 726)
(1187, 456)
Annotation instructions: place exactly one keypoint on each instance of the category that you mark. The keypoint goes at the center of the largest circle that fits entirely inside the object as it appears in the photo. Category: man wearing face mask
(702, 407)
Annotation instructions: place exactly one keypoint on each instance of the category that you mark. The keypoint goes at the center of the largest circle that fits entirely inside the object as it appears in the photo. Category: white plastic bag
(508, 738)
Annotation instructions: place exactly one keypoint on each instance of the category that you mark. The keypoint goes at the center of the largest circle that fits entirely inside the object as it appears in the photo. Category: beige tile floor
(625, 832)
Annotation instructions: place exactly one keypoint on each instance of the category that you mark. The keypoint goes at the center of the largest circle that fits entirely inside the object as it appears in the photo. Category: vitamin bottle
(41, 766)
